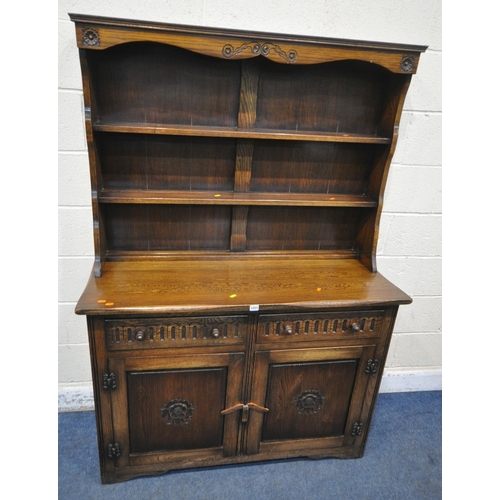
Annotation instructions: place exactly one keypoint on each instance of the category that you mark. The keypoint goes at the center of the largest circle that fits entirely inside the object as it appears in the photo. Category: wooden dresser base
(178, 386)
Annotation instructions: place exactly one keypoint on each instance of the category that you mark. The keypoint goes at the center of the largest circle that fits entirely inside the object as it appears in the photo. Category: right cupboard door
(314, 399)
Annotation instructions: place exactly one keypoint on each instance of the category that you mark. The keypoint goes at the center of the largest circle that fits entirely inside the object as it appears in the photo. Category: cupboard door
(168, 409)
(314, 398)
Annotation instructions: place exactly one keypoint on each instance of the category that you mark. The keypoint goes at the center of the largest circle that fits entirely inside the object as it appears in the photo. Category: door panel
(169, 408)
(308, 400)
(176, 409)
(314, 398)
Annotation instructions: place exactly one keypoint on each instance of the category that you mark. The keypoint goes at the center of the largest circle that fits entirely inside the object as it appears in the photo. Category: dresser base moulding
(136, 472)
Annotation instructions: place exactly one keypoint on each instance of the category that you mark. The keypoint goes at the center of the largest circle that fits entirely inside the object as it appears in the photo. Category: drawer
(319, 326)
(154, 333)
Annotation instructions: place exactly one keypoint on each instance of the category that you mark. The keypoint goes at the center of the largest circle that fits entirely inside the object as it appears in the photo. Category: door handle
(246, 410)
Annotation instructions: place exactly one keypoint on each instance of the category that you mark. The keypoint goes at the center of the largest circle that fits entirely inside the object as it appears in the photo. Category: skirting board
(411, 380)
(80, 397)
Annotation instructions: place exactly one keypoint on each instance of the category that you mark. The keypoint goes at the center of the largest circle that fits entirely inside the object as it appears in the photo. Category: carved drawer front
(154, 333)
(319, 326)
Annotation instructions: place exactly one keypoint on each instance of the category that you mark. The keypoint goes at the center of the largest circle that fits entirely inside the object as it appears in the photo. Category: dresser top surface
(209, 285)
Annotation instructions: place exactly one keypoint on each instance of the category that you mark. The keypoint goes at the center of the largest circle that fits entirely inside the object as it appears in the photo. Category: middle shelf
(237, 133)
(142, 196)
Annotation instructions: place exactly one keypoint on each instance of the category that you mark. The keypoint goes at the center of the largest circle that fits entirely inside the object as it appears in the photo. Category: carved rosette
(90, 37)
(258, 49)
(407, 64)
(177, 411)
(309, 402)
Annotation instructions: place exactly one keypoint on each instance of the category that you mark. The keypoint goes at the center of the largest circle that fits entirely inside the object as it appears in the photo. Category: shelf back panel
(195, 89)
(343, 97)
(298, 228)
(167, 227)
(136, 161)
(312, 167)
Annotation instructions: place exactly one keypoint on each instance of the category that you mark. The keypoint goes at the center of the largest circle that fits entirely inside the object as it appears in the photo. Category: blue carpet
(402, 461)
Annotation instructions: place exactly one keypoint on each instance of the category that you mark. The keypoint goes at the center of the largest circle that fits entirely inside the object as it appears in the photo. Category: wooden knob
(215, 333)
(288, 330)
(139, 335)
(355, 327)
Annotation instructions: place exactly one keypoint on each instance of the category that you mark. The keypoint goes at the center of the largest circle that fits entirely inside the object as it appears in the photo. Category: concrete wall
(410, 237)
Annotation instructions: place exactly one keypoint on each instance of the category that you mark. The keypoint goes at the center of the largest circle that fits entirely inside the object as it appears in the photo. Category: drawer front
(319, 326)
(154, 333)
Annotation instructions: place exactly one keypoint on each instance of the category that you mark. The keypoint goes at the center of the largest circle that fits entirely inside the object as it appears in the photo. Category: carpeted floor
(402, 461)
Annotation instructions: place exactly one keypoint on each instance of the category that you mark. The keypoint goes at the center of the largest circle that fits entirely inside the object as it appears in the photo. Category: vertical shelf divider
(247, 114)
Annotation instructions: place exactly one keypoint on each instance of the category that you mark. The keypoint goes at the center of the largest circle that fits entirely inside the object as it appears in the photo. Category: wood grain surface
(233, 285)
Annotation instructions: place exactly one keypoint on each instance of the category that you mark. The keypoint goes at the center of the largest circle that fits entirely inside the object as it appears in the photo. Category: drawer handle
(355, 328)
(215, 333)
(139, 335)
(288, 330)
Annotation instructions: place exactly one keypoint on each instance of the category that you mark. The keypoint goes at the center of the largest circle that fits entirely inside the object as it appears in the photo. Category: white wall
(410, 237)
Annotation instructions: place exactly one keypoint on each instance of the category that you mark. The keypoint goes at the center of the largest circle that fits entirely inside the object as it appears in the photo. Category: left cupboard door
(167, 410)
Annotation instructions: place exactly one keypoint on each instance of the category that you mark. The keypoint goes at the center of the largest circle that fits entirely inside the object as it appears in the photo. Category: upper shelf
(235, 132)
